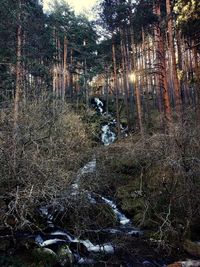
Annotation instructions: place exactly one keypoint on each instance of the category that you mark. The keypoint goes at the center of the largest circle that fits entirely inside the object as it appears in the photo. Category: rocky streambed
(111, 238)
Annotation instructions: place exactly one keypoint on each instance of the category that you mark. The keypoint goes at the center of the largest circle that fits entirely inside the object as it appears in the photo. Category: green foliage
(187, 10)
(39, 49)
(36, 45)
(188, 17)
(44, 257)
(142, 18)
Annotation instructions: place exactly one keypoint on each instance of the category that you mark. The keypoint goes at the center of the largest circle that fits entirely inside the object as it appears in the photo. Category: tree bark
(137, 91)
(158, 87)
(18, 69)
(64, 68)
(124, 71)
(197, 74)
(162, 66)
(18, 89)
(173, 57)
(116, 88)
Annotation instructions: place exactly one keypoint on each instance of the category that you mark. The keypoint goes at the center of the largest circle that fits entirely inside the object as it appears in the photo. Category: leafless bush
(51, 145)
(157, 180)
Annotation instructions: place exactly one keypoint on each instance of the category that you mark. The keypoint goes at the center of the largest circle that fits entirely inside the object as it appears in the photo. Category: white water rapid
(108, 136)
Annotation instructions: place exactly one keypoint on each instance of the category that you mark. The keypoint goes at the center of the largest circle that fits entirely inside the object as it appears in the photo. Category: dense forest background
(142, 60)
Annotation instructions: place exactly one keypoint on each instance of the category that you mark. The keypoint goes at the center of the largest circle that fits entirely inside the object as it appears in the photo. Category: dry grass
(51, 146)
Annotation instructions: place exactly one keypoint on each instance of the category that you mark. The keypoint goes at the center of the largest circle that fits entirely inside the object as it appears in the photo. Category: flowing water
(108, 136)
(60, 236)
(56, 237)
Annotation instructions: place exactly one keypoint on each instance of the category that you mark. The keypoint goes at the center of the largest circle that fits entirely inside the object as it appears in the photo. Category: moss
(65, 255)
(131, 201)
(44, 257)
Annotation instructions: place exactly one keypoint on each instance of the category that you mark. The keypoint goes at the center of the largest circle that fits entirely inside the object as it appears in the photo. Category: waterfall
(108, 136)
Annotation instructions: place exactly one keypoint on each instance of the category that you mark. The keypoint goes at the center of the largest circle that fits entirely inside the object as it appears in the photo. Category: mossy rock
(130, 196)
(65, 256)
(128, 190)
(44, 257)
(133, 202)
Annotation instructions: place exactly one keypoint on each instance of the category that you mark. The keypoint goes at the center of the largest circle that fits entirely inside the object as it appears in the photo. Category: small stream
(88, 251)
(124, 227)
(57, 237)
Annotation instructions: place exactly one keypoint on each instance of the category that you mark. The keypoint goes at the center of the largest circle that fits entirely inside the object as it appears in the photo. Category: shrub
(157, 181)
(51, 145)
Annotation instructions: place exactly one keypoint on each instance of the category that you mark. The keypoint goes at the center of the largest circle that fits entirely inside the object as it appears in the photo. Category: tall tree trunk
(134, 82)
(180, 66)
(18, 88)
(124, 70)
(173, 57)
(71, 74)
(54, 65)
(162, 66)
(138, 96)
(132, 66)
(64, 68)
(186, 74)
(86, 83)
(128, 65)
(116, 88)
(60, 80)
(197, 74)
(107, 88)
(18, 68)
(158, 87)
(146, 81)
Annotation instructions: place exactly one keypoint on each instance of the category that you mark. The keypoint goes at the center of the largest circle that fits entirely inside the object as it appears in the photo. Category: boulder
(192, 248)
(176, 264)
(45, 256)
(65, 256)
(191, 263)
(187, 263)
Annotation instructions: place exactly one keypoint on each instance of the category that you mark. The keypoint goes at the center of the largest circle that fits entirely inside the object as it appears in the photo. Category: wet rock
(86, 261)
(176, 264)
(187, 263)
(192, 248)
(191, 263)
(65, 256)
